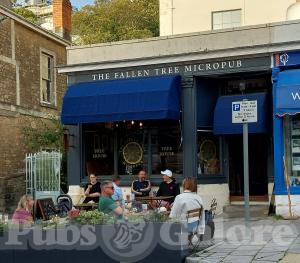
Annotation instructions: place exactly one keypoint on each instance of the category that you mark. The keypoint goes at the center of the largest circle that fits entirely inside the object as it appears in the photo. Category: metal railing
(43, 174)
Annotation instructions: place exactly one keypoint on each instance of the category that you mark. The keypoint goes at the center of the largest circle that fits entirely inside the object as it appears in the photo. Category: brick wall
(8, 83)
(5, 36)
(62, 12)
(28, 46)
(28, 57)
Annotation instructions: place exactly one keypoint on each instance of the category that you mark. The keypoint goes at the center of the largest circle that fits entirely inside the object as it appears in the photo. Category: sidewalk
(271, 240)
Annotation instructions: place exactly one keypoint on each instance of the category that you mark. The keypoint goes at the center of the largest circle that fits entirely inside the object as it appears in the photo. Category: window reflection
(208, 153)
(99, 150)
(166, 149)
(292, 149)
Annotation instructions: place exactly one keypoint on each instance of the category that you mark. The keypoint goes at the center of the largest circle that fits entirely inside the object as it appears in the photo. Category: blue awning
(223, 114)
(150, 98)
(287, 93)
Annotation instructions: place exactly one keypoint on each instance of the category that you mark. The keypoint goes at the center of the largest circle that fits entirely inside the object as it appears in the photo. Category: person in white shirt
(118, 194)
(186, 201)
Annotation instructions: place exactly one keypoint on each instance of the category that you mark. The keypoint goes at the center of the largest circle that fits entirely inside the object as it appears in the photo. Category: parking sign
(244, 111)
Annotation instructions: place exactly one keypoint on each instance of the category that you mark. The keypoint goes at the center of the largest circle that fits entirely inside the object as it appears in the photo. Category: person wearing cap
(168, 187)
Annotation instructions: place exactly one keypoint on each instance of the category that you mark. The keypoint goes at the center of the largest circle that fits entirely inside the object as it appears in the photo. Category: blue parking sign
(236, 107)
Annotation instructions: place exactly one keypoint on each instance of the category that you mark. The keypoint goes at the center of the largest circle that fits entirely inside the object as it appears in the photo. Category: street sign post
(245, 112)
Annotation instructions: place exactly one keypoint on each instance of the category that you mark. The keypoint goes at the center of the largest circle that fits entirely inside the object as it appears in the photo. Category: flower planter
(122, 242)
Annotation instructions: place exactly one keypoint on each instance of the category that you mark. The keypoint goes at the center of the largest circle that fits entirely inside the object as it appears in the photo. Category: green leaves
(116, 20)
(29, 15)
(93, 217)
(43, 134)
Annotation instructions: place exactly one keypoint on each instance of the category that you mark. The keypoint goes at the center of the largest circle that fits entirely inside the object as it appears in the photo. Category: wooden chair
(192, 227)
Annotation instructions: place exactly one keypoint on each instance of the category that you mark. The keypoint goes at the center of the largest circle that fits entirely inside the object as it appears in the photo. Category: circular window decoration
(132, 153)
(207, 150)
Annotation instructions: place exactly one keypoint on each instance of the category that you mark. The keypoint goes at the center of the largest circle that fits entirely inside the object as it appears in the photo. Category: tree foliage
(46, 134)
(116, 20)
(29, 15)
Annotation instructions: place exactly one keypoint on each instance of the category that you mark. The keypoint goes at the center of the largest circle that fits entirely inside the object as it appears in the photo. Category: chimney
(5, 3)
(62, 18)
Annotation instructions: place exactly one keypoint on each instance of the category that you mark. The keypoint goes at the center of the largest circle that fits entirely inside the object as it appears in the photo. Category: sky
(80, 3)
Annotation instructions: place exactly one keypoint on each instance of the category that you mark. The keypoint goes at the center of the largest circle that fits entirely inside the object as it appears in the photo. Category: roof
(21, 20)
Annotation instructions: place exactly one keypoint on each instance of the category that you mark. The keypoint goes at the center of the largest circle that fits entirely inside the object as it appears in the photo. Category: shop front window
(291, 126)
(123, 148)
(208, 153)
(99, 149)
(166, 149)
(132, 147)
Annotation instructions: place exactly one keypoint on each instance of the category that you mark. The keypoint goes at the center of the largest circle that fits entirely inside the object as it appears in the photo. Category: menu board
(295, 150)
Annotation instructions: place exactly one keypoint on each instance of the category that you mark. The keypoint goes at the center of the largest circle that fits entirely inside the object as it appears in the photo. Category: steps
(237, 210)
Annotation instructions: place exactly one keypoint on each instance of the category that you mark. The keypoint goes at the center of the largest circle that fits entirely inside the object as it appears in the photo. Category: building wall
(178, 16)
(20, 49)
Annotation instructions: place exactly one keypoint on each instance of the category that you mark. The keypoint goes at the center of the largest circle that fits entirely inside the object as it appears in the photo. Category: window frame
(222, 12)
(53, 96)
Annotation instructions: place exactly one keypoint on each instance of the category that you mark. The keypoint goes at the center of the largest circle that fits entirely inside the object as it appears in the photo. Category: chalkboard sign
(45, 209)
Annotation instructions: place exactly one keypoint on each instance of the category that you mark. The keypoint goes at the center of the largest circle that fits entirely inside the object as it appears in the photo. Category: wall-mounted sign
(187, 68)
(287, 59)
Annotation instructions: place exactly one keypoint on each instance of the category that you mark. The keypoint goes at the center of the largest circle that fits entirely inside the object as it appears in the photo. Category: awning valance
(287, 93)
(223, 114)
(117, 100)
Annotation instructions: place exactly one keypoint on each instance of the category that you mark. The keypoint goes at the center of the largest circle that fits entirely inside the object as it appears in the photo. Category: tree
(115, 20)
(29, 15)
(45, 135)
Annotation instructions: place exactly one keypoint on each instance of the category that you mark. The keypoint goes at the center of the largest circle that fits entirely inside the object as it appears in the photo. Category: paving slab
(238, 259)
(244, 252)
(271, 256)
(291, 258)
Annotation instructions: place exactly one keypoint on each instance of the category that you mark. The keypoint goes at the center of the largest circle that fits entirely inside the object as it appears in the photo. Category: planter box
(123, 242)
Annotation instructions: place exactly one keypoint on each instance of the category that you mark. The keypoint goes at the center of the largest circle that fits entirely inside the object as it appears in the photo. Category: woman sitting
(189, 200)
(141, 187)
(22, 214)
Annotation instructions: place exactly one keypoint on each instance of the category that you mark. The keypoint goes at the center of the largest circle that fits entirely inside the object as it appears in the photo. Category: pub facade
(167, 103)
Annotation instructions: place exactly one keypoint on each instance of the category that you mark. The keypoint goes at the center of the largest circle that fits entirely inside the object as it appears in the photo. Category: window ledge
(48, 105)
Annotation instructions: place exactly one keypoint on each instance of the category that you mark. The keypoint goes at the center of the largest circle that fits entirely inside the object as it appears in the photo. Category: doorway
(258, 167)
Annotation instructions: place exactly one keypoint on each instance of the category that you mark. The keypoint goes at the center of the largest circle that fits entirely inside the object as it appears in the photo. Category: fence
(43, 174)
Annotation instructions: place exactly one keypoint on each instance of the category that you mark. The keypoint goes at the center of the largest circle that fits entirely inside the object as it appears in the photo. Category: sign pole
(246, 175)
(244, 112)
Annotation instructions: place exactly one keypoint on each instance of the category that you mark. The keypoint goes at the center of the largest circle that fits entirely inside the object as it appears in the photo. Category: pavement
(267, 240)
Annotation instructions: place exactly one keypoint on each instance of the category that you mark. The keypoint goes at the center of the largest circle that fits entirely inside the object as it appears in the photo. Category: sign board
(244, 111)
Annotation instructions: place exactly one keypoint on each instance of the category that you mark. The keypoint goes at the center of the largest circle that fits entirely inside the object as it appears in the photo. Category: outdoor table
(86, 206)
(157, 200)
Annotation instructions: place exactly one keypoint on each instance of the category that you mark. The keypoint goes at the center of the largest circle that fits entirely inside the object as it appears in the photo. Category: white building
(187, 16)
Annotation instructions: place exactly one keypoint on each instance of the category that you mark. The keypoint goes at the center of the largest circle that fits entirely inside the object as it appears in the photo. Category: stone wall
(20, 105)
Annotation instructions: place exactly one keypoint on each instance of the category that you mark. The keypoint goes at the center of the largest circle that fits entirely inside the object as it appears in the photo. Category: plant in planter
(93, 217)
(156, 217)
(3, 228)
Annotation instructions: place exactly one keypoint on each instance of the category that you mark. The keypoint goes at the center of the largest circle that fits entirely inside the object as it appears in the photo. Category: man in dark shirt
(168, 187)
(141, 187)
(92, 191)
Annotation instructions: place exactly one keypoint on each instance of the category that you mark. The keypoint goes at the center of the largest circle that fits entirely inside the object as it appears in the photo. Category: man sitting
(92, 190)
(168, 187)
(118, 194)
(106, 204)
